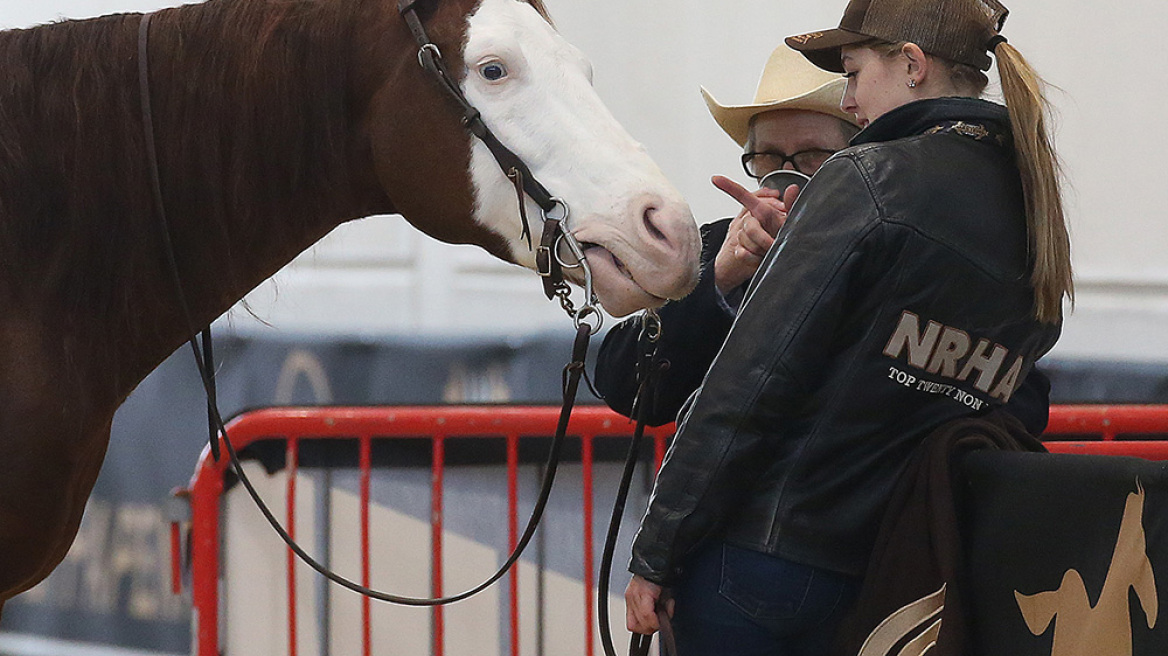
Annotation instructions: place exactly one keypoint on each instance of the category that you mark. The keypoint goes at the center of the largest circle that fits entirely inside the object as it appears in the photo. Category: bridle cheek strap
(430, 57)
(547, 263)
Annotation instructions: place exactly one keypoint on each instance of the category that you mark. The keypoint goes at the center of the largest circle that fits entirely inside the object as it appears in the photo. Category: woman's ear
(918, 63)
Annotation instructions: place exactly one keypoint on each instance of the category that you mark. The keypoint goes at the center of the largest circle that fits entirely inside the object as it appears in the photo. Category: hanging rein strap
(649, 369)
(204, 358)
(571, 382)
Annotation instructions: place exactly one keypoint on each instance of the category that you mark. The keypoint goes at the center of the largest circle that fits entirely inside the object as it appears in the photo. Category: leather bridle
(548, 261)
(549, 265)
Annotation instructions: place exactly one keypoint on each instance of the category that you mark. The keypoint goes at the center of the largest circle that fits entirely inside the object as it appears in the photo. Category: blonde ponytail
(1050, 246)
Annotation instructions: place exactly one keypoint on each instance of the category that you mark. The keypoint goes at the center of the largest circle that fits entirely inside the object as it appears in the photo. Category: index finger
(737, 192)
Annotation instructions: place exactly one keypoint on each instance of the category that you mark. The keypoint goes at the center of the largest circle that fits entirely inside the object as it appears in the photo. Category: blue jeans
(738, 602)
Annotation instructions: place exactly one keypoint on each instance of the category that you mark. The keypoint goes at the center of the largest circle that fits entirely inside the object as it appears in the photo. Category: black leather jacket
(898, 299)
(693, 329)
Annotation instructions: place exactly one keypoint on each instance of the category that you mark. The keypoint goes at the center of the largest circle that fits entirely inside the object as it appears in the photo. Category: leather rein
(555, 213)
(550, 267)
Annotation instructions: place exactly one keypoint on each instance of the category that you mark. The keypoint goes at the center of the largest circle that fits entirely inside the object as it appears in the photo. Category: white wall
(650, 57)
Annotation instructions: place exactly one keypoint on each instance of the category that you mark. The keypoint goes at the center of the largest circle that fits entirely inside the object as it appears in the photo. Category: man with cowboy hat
(794, 123)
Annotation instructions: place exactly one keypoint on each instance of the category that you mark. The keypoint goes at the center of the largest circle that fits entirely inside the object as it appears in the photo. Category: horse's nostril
(647, 217)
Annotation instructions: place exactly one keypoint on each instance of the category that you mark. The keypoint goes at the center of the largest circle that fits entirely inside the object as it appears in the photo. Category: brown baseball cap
(957, 30)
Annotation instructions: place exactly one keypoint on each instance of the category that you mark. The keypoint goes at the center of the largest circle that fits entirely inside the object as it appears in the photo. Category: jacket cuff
(659, 575)
(707, 295)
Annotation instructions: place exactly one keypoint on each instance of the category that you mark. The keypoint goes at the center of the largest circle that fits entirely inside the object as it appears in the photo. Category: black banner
(1068, 554)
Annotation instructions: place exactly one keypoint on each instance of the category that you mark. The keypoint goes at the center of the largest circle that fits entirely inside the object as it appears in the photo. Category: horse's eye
(493, 71)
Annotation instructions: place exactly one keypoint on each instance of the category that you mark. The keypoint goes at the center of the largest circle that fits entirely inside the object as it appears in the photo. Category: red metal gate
(1073, 429)
(1114, 430)
(367, 425)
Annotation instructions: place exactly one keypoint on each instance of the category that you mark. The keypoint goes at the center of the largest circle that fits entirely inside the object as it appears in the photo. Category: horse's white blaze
(543, 107)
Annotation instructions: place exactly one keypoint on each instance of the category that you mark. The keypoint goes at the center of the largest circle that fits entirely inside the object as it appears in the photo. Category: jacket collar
(924, 115)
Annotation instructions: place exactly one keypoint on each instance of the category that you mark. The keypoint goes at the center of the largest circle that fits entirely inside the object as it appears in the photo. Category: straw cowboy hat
(788, 81)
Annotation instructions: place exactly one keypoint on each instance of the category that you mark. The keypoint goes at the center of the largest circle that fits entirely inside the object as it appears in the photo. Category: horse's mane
(77, 220)
(272, 78)
(74, 187)
(64, 133)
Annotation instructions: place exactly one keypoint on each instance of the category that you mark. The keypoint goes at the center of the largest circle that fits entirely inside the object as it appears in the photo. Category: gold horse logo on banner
(1104, 629)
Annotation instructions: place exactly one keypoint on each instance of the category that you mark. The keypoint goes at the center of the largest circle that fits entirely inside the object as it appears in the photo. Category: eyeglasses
(805, 161)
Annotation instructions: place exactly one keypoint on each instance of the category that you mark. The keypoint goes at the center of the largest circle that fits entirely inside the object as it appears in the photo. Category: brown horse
(276, 120)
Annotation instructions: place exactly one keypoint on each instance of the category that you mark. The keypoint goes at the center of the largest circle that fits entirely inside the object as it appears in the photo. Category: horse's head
(535, 93)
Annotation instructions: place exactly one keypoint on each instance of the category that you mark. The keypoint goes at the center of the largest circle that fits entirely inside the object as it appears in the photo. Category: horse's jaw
(643, 261)
(618, 291)
(641, 240)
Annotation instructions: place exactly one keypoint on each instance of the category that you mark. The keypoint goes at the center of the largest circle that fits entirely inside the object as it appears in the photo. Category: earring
(912, 84)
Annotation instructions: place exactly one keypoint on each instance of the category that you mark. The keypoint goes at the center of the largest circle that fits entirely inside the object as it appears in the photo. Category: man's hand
(751, 233)
(641, 599)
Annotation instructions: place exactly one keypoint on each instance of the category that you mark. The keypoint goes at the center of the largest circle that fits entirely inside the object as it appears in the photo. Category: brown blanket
(912, 599)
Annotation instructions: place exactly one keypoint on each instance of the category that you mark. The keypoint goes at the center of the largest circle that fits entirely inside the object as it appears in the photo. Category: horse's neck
(258, 141)
(259, 157)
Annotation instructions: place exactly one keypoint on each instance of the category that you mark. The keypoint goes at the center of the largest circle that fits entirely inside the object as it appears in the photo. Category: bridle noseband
(548, 262)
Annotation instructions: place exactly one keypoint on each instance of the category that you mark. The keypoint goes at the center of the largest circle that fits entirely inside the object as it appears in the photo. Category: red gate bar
(513, 534)
(366, 466)
(293, 460)
(1146, 449)
(1108, 422)
(1094, 429)
(586, 574)
(175, 563)
(366, 424)
(437, 472)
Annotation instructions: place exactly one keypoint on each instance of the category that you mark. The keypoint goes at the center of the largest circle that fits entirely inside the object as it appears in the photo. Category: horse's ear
(1038, 609)
(1145, 587)
(542, 9)
(1070, 600)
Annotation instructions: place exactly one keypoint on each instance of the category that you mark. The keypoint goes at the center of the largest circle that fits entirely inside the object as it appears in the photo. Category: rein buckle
(543, 261)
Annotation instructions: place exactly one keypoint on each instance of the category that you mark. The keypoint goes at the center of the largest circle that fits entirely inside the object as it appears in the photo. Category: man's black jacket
(899, 300)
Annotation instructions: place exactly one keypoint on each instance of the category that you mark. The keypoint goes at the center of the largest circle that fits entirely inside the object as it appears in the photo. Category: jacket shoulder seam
(866, 176)
(951, 247)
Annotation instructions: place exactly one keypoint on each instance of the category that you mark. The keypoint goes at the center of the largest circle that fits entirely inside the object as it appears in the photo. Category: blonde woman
(923, 277)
